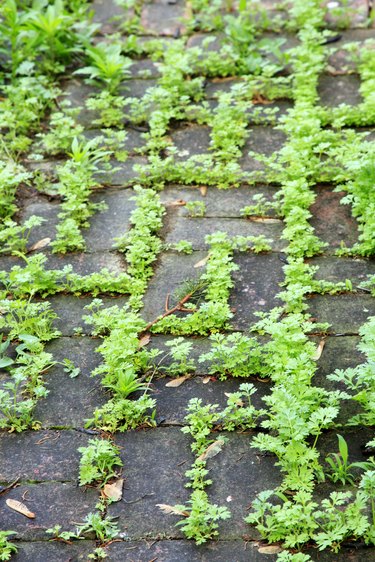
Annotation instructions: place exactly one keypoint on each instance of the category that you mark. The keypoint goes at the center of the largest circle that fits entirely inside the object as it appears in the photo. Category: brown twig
(178, 307)
(7, 488)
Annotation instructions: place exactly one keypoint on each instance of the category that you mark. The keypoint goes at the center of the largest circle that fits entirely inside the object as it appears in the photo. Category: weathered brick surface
(46, 462)
(52, 503)
(163, 456)
(51, 455)
(42, 551)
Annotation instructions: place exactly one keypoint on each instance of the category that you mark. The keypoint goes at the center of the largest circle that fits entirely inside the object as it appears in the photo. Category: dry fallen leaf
(176, 203)
(319, 350)
(177, 382)
(271, 549)
(168, 509)
(202, 262)
(114, 491)
(40, 244)
(212, 450)
(20, 508)
(206, 380)
(203, 190)
(144, 340)
(264, 220)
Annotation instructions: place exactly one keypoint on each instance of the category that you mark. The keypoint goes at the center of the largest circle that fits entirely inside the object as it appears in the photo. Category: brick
(163, 18)
(247, 296)
(43, 551)
(70, 402)
(162, 456)
(219, 202)
(335, 90)
(332, 221)
(41, 455)
(195, 229)
(345, 313)
(353, 13)
(53, 504)
(340, 269)
(70, 309)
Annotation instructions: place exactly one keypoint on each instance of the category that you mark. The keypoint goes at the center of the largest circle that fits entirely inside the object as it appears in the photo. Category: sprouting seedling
(107, 65)
(340, 466)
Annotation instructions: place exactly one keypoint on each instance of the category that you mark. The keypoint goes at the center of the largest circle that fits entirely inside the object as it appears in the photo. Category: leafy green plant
(103, 528)
(240, 414)
(340, 468)
(234, 355)
(183, 246)
(76, 181)
(122, 414)
(99, 462)
(14, 237)
(196, 208)
(200, 516)
(107, 65)
(7, 548)
(25, 386)
(181, 363)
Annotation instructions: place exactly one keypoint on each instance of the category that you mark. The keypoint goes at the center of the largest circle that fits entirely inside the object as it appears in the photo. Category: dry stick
(8, 488)
(179, 307)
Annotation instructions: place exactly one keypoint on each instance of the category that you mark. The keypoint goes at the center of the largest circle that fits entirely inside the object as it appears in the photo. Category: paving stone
(170, 273)
(41, 455)
(217, 85)
(82, 263)
(85, 263)
(331, 220)
(53, 504)
(71, 402)
(109, 173)
(133, 143)
(109, 15)
(48, 210)
(195, 140)
(164, 18)
(77, 92)
(340, 58)
(345, 313)
(162, 456)
(219, 40)
(172, 403)
(247, 296)
(106, 225)
(263, 140)
(354, 13)
(195, 229)
(259, 114)
(70, 309)
(187, 551)
(120, 173)
(216, 551)
(145, 68)
(335, 90)
(191, 140)
(53, 551)
(219, 202)
(340, 269)
(251, 295)
(339, 353)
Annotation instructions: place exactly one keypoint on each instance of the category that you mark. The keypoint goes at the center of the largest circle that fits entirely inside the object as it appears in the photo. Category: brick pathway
(155, 460)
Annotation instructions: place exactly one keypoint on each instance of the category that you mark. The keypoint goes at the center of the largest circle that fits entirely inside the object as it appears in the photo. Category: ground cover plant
(154, 350)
